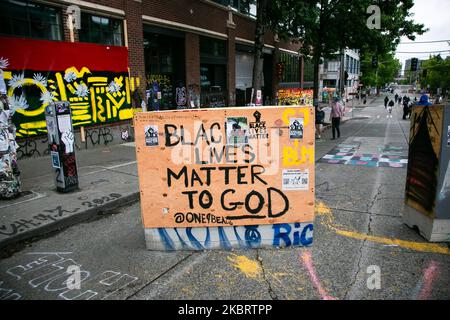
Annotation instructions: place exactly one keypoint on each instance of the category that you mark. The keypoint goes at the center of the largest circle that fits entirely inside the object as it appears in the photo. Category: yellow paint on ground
(326, 213)
(249, 267)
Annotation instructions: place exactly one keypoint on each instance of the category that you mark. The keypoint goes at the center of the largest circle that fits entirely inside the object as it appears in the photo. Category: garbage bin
(427, 196)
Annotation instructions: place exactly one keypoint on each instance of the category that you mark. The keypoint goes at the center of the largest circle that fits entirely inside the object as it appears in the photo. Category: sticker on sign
(295, 179)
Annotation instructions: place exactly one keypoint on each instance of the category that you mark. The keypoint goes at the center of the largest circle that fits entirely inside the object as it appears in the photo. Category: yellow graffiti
(327, 219)
(79, 74)
(29, 82)
(33, 125)
(250, 268)
(291, 112)
(296, 155)
(94, 98)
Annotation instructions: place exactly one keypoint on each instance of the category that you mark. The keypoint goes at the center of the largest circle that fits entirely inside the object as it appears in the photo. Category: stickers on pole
(226, 166)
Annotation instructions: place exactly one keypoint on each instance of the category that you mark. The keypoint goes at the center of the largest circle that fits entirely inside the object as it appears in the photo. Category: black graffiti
(51, 215)
(27, 148)
(98, 136)
(174, 135)
(99, 201)
(201, 218)
(254, 202)
(202, 176)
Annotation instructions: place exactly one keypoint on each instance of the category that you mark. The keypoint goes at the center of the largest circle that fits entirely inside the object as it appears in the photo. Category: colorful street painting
(349, 154)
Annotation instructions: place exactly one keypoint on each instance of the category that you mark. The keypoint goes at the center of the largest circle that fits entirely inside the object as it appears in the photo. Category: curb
(41, 232)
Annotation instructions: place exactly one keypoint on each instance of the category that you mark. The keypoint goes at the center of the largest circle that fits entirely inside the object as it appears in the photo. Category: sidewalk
(107, 179)
(348, 111)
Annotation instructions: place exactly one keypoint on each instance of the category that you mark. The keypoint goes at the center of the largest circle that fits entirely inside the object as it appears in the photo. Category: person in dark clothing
(386, 100)
(405, 107)
(396, 98)
(336, 114)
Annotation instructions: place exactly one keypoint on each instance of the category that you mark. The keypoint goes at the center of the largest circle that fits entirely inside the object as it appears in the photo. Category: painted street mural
(93, 78)
(211, 154)
(349, 154)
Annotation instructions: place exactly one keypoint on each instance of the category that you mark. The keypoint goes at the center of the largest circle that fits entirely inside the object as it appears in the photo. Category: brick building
(193, 52)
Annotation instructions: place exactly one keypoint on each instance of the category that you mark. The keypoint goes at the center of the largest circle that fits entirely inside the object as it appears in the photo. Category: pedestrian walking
(389, 108)
(320, 117)
(405, 107)
(386, 100)
(337, 113)
(396, 98)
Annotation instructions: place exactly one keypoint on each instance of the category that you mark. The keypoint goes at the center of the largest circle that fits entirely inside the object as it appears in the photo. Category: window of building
(291, 67)
(164, 65)
(213, 72)
(102, 30)
(247, 7)
(308, 70)
(23, 18)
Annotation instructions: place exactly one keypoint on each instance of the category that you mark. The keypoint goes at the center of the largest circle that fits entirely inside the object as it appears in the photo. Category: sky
(434, 14)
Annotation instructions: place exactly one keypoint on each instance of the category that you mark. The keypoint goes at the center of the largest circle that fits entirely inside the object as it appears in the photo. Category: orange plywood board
(226, 166)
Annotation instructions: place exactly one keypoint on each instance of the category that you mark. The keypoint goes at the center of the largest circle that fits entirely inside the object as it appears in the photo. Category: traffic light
(424, 73)
(414, 63)
(375, 61)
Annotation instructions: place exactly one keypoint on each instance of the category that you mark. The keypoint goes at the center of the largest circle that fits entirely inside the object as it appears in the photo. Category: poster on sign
(226, 167)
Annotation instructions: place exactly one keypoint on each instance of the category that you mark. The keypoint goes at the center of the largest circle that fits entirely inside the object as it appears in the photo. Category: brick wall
(133, 16)
(196, 13)
(192, 58)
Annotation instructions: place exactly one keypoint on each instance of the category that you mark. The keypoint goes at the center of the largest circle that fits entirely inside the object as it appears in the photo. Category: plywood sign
(226, 166)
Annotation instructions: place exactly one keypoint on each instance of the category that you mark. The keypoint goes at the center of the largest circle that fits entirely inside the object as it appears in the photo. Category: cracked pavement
(357, 201)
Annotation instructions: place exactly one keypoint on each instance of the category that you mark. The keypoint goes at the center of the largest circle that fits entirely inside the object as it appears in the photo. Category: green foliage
(388, 67)
(438, 74)
(324, 27)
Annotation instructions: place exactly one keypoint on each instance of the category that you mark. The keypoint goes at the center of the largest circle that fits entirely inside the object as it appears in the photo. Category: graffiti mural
(390, 156)
(93, 78)
(295, 96)
(254, 236)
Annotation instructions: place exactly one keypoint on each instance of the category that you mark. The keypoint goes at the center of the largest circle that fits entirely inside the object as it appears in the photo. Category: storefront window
(29, 19)
(102, 30)
(291, 67)
(247, 7)
(213, 72)
(164, 69)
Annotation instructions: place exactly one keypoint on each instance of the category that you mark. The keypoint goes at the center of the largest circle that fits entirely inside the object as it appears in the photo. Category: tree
(386, 72)
(281, 16)
(326, 27)
(437, 75)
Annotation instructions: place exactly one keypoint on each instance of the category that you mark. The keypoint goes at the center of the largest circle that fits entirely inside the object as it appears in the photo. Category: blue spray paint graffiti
(277, 235)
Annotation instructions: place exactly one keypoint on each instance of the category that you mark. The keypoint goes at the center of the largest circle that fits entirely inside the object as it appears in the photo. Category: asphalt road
(357, 233)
